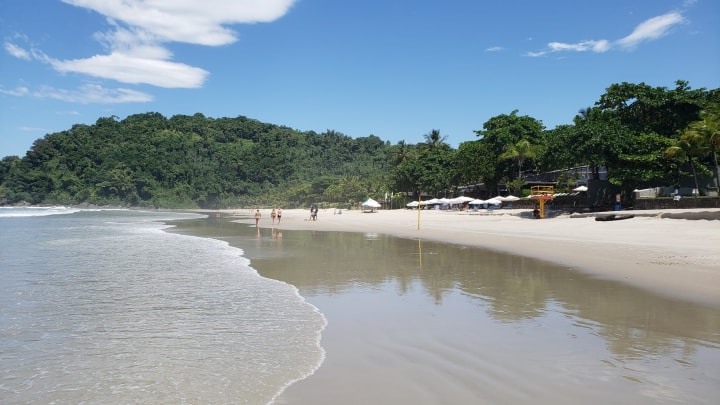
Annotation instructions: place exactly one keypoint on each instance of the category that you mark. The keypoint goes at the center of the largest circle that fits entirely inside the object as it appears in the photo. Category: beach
(470, 307)
(661, 250)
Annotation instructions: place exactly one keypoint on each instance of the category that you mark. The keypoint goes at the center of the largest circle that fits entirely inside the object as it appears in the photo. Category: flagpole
(419, 193)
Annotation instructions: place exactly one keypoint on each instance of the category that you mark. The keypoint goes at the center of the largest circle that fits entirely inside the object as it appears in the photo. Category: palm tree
(434, 140)
(400, 153)
(690, 145)
(708, 128)
(518, 152)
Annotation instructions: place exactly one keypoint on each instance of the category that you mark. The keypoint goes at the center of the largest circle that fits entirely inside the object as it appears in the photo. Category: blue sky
(392, 68)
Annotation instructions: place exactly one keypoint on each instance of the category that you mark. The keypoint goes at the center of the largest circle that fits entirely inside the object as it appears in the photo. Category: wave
(11, 212)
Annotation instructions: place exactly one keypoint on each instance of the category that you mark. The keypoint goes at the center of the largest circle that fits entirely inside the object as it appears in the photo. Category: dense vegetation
(643, 135)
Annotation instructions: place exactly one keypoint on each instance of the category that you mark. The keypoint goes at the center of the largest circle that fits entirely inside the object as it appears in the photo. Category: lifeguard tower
(542, 194)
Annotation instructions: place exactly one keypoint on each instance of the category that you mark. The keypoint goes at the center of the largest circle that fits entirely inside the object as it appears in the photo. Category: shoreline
(672, 252)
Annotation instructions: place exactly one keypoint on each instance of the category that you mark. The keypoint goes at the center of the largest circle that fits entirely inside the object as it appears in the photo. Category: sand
(435, 340)
(656, 250)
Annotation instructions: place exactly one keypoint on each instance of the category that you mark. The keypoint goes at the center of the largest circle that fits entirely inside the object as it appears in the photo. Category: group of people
(275, 214)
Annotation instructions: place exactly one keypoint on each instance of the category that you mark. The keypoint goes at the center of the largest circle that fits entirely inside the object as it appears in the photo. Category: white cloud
(139, 30)
(595, 46)
(17, 52)
(136, 68)
(17, 92)
(93, 94)
(190, 21)
(652, 29)
(648, 30)
(494, 49)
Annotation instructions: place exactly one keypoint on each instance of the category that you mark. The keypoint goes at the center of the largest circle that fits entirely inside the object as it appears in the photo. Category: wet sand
(583, 311)
(559, 310)
(657, 250)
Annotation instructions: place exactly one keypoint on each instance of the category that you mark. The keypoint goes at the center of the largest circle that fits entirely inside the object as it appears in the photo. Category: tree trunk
(697, 187)
(717, 172)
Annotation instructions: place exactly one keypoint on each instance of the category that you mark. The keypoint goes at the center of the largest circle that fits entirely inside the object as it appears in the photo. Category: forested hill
(188, 161)
(641, 136)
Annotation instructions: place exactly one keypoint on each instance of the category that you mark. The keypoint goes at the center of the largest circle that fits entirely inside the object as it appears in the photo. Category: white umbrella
(412, 204)
(580, 188)
(460, 200)
(493, 201)
(511, 198)
(371, 203)
(476, 202)
(498, 198)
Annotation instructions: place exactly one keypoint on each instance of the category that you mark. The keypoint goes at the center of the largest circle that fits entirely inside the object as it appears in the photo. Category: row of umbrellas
(462, 200)
(497, 200)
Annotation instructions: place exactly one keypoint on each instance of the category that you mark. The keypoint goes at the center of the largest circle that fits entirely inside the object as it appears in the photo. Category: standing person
(279, 215)
(273, 214)
(257, 218)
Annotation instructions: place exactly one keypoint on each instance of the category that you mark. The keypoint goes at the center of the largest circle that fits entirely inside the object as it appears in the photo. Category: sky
(396, 69)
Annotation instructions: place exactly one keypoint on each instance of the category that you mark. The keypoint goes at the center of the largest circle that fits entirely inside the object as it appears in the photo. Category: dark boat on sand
(614, 217)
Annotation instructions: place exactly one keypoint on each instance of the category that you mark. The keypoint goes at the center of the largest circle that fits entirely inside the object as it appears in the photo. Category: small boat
(614, 217)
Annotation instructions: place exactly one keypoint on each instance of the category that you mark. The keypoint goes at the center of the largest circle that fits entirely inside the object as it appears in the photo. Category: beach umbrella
(580, 188)
(412, 204)
(371, 203)
(460, 200)
(493, 201)
(476, 202)
(511, 198)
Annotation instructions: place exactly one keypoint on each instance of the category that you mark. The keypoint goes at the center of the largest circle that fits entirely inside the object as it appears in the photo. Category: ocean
(104, 306)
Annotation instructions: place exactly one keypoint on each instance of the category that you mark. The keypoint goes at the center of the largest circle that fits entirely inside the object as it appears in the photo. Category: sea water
(103, 306)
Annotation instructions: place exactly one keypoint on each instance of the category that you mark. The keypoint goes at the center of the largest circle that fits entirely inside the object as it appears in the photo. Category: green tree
(473, 163)
(433, 140)
(646, 109)
(502, 132)
(690, 146)
(519, 152)
(560, 149)
(708, 129)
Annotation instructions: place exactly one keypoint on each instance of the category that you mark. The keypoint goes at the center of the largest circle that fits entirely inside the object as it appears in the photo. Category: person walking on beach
(273, 214)
(257, 218)
(279, 215)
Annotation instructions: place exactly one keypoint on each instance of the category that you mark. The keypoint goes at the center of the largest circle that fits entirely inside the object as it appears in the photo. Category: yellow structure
(542, 194)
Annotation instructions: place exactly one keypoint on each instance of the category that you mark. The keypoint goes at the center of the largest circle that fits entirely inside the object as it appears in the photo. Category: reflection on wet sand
(632, 321)
(633, 324)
